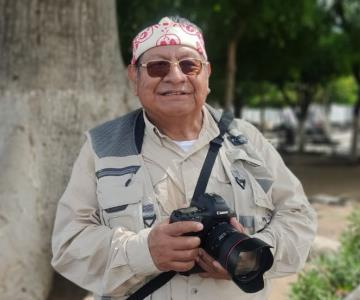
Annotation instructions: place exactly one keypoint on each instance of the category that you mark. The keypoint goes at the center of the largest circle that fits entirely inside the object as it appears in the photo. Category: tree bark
(238, 106)
(231, 66)
(305, 100)
(356, 114)
(230, 74)
(60, 73)
(262, 117)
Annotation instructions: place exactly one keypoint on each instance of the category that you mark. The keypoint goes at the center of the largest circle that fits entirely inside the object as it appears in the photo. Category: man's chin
(176, 111)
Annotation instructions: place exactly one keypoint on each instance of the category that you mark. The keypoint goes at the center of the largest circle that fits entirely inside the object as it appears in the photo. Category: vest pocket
(220, 184)
(252, 176)
(120, 204)
(263, 206)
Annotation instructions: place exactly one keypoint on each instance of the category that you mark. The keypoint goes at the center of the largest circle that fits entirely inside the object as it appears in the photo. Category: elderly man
(112, 232)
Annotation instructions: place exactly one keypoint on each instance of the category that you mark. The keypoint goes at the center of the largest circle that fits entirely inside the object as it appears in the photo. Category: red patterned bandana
(167, 33)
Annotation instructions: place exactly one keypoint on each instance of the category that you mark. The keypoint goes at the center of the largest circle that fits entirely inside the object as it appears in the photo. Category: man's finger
(214, 275)
(205, 261)
(206, 257)
(219, 268)
(185, 255)
(204, 265)
(179, 228)
(234, 222)
(185, 242)
(210, 264)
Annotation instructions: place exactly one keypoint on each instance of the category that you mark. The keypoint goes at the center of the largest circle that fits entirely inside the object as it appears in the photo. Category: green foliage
(346, 18)
(265, 94)
(333, 276)
(280, 43)
(351, 243)
(135, 15)
(342, 90)
(312, 285)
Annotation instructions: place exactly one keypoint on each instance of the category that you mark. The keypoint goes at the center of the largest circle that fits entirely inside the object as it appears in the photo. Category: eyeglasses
(160, 68)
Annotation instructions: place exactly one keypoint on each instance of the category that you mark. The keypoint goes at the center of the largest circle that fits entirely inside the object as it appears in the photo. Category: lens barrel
(245, 258)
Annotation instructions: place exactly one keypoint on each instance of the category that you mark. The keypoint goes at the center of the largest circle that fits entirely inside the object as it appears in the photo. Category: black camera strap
(215, 145)
(150, 287)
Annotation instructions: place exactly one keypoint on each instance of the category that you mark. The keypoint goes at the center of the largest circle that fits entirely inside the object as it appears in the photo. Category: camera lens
(245, 258)
(247, 262)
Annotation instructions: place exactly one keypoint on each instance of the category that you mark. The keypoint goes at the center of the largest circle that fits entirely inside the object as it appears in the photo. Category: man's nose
(175, 74)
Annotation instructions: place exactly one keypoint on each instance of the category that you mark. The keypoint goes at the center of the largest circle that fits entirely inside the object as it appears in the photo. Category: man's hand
(212, 268)
(172, 251)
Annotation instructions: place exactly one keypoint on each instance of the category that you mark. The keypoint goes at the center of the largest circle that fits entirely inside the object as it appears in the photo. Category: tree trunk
(305, 100)
(355, 121)
(230, 74)
(231, 65)
(355, 130)
(347, 26)
(238, 106)
(60, 73)
(262, 117)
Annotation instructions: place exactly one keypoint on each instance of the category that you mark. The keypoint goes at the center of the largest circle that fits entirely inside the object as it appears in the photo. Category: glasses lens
(190, 66)
(158, 68)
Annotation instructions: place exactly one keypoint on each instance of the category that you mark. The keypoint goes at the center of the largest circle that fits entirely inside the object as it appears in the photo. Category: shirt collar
(152, 131)
(209, 130)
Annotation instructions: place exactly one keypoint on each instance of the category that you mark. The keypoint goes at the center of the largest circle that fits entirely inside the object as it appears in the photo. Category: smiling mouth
(171, 93)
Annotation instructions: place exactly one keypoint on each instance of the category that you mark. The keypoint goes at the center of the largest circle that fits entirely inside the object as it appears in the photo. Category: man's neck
(179, 128)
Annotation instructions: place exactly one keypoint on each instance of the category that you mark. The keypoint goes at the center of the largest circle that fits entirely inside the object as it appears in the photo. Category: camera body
(209, 209)
(245, 258)
(212, 211)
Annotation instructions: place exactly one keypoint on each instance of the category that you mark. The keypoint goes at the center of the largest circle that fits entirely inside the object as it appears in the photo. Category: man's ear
(132, 75)
(208, 66)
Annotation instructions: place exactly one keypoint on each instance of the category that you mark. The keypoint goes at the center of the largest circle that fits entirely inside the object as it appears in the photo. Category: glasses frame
(176, 63)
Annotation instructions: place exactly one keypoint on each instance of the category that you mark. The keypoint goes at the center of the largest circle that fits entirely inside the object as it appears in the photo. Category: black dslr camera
(245, 258)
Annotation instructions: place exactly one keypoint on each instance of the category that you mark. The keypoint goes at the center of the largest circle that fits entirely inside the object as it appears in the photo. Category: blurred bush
(331, 277)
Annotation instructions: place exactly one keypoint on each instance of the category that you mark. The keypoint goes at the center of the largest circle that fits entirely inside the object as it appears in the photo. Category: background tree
(60, 73)
(297, 51)
(296, 47)
(226, 25)
(347, 19)
(222, 21)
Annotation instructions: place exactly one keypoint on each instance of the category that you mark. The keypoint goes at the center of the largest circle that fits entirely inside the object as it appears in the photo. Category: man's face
(175, 94)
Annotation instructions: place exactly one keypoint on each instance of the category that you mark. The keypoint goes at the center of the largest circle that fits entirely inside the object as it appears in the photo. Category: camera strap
(215, 145)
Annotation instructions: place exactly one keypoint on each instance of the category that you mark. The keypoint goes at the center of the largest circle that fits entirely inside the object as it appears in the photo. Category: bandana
(167, 33)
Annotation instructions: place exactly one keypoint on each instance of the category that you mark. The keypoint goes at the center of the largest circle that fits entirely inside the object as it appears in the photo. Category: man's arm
(293, 226)
(111, 261)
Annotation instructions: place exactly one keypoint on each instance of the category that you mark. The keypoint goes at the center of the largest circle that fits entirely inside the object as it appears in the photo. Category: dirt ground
(328, 175)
